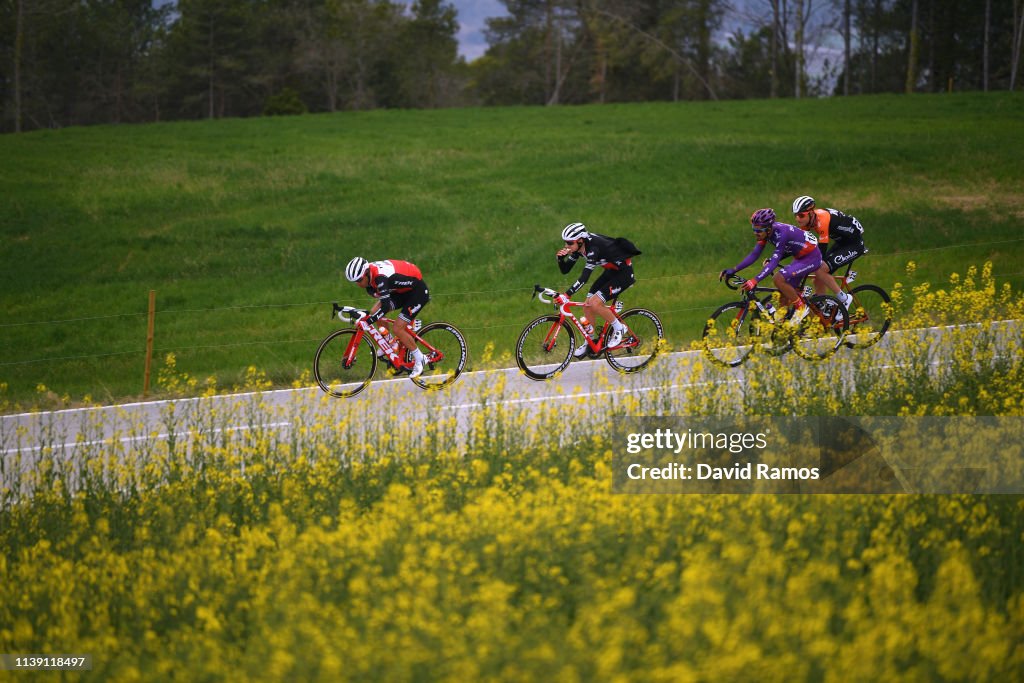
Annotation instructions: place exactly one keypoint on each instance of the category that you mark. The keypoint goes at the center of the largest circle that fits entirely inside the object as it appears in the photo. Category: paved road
(29, 432)
(660, 389)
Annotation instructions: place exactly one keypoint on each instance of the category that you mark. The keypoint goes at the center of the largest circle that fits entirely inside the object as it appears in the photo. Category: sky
(472, 15)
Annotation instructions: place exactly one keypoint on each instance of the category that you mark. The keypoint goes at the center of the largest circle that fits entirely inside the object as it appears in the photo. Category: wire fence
(488, 292)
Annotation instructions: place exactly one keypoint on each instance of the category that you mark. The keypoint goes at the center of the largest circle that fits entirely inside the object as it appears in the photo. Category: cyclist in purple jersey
(788, 240)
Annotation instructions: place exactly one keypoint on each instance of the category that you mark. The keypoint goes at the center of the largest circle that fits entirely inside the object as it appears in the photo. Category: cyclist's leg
(594, 307)
(823, 280)
(843, 252)
(610, 285)
(790, 277)
(411, 304)
(787, 292)
(821, 275)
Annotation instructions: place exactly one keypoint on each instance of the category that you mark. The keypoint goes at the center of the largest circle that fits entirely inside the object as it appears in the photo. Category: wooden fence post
(149, 340)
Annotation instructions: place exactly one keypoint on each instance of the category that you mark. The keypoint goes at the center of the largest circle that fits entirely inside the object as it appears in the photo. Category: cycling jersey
(398, 284)
(846, 235)
(788, 240)
(607, 252)
(836, 225)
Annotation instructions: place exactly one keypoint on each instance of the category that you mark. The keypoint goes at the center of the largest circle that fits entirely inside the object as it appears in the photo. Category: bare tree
(778, 32)
(913, 45)
(984, 48)
(798, 40)
(1018, 36)
(19, 43)
(680, 58)
(846, 47)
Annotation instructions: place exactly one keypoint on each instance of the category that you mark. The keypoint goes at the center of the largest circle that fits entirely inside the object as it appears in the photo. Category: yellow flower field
(492, 550)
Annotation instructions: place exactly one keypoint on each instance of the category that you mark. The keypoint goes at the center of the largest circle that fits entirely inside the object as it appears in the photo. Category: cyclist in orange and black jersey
(840, 239)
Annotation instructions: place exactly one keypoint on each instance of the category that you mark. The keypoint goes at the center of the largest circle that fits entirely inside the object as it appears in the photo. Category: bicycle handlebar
(349, 313)
(734, 282)
(540, 292)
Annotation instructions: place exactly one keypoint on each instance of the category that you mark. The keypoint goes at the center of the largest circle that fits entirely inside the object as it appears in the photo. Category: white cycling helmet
(803, 203)
(356, 268)
(575, 231)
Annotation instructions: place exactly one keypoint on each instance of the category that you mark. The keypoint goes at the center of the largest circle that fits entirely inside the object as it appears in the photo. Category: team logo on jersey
(843, 258)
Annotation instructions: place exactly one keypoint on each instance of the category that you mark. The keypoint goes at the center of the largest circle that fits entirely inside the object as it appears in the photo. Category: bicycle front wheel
(446, 352)
(342, 368)
(545, 347)
(640, 345)
(870, 316)
(730, 333)
(823, 330)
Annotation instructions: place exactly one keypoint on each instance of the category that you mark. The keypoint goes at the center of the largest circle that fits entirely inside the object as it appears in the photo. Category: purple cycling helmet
(762, 218)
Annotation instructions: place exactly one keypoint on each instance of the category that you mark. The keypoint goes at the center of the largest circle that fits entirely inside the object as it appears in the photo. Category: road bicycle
(346, 359)
(870, 312)
(546, 345)
(737, 328)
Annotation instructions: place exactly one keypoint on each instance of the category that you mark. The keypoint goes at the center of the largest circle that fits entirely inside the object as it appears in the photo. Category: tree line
(80, 62)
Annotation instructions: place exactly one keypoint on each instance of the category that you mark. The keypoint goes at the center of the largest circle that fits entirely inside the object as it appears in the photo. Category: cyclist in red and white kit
(397, 285)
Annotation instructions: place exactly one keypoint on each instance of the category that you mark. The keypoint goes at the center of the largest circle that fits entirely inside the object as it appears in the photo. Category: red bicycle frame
(363, 328)
(628, 340)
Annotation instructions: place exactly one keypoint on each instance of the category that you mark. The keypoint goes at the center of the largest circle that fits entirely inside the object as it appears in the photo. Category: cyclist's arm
(751, 257)
(380, 309)
(772, 263)
(584, 276)
(380, 289)
(565, 263)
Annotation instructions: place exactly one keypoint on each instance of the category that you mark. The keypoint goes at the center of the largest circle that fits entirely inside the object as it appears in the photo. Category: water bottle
(770, 308)
(618, 307)
(588, 326)
(387, 339)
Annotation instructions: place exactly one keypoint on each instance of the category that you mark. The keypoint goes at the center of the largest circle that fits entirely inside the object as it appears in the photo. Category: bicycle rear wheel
(446, 353)
(341, 371)
(545, 347)
(730, 333)
(638, 348)
(823, 330)
(870, 316)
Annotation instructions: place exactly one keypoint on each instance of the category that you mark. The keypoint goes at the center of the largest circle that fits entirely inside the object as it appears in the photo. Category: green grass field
(242, 227)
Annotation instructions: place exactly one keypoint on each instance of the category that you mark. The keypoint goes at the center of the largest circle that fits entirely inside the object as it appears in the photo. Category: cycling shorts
(795, 271)
(411, 302)
(612, 283)
(843, 251)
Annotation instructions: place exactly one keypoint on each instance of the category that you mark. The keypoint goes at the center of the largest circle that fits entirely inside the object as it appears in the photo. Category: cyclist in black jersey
(615, 256)
(840, 239)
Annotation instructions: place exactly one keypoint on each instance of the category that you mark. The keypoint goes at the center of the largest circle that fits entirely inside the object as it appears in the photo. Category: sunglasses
(570, 243)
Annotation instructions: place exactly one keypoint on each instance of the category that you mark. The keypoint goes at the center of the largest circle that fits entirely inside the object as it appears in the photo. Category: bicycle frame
(363, 328)
(736, 282)
(843, 280)
(564, 313)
